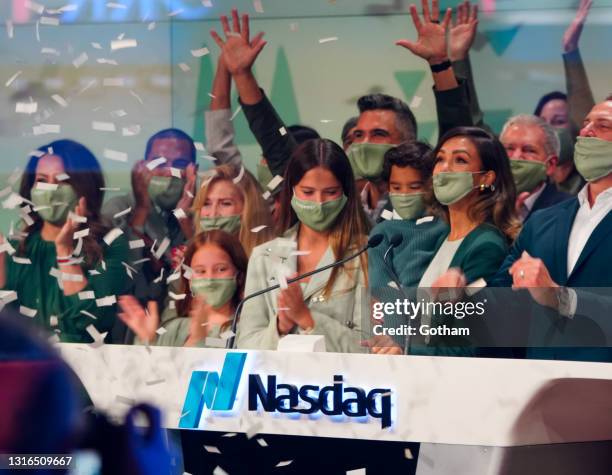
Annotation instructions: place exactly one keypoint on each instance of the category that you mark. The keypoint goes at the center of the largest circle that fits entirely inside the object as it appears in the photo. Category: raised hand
(238, 50)
(431, 41)
(189, 189)
(64, 240)
(571, 36)
(135, 317)
(141, 176)
(463, 31)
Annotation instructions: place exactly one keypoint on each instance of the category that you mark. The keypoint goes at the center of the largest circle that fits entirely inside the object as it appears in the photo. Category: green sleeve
(579, 95)
(110, 282)
(484, 260)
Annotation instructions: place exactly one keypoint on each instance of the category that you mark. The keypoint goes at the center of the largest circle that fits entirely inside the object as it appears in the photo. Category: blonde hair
(255, 211)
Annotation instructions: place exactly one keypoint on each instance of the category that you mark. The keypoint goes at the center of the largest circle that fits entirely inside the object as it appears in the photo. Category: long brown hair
(495, 205)
(87, 180)
(350, 229)
(256, 211)
(232, 247)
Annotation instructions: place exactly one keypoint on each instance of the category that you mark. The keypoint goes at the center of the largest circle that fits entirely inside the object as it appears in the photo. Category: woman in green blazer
(211, 287)
(322, 222)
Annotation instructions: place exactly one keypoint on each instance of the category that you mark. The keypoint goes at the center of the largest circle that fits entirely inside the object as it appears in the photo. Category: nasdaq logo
(208, 389)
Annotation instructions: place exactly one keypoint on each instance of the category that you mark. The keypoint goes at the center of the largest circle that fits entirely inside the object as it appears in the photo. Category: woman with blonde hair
(230, 199)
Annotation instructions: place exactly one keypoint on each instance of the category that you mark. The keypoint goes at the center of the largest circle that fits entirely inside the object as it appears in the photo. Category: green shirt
(38, 290)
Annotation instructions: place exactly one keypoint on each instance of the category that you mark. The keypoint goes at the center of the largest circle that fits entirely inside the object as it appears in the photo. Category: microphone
(394, 241)
(373, 241)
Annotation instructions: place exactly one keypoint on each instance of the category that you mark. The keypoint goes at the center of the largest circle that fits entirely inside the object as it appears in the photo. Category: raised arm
(240, 53)
(579, 95)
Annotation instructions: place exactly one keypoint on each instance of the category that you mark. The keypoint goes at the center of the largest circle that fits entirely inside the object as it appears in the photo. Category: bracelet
(438, 68)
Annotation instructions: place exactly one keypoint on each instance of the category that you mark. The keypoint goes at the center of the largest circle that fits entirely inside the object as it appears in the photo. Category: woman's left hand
(293, 299)
(452, 279)
(64, 240)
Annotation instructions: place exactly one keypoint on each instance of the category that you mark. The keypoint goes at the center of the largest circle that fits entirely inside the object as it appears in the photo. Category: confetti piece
(122, 213)
(60, 100)
(52, 51)
(118, 113)
(28, 312)
(87, 295)
(112, 235)
(46, 129)
(96, 45)
(198, 53)
(284, 463)
(174, 276)
(8, 296)
(89, 85)
(230, 434)
(416, 102)
(103, 126)
(7, 247)
(282, 131)
(265, 195)
(262, 442)
(116, 5)
(160, 331)
(77, 218)
(326, 121)
(90, 315)
(475, 287)
(21, 260)
(212, 449)
(274, 182)
(219, 471)
(125, 400)
(176, 12)
(80, 60)
(174, 296)
(115, 155)
(113, 82)
(179, 213)
(258, 228)
(46, 186)
(49, 21)
(62, 177)
(26, 107)
(66, 277)
(112, 62)
(184, 67)
(236, 113)
(10, 31)
(163, 247)
(386, 214)
(424, 219)
(137, 97)
(214, 342)
(12, 201)
(130, 130)
(38, 31)
(155, 381)
(12, 78)
(237, 179)
(199, 146)
(53, 321)
(175, 172)
(106, 301)
(81, 234)
(35, 7)
(153, 164)
(327, 40)
(151, 26)
(122, 44)
(137, 244)
(258, 6)
(408, 454)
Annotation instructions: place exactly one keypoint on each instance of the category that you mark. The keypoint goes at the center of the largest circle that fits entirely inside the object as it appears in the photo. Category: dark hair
(546, 98)
(350, 228)
(87, 180)
(415, 155)
(171, 134)
(406, 123)
(232, 247)
(495, 205)
(346, 128)
(301, 133)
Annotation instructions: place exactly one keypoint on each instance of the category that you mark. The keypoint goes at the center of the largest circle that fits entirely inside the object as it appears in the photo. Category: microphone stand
(230, 341)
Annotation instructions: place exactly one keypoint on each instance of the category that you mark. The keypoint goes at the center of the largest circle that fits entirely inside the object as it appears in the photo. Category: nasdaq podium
(470, 415)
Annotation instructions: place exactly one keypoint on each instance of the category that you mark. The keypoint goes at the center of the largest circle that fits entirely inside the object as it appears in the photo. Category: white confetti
(112, 62)
(386, 214)
(103, 126)
(274, 182)
(284, 464)
(230, 434)
(282, 131)
(10, 31)
(106, 301)
(258, 6)
(155, 381)
(198, 53)
(122, 213)
(81, 234)
(113, 82)
(266, 194)
(184, 67)
(80, 60)
(116, 5)
(137, 97)
(163, 247)
(236, 113)
(26, 107)
(41, 185)
(176, 12)
(416, 102)
(130, 130)
(50, 21)
(43, 129)
(176, 172)
(424, 219)
(53, 321)
(12, 78)
(475, 287)
(179, 213)
(151, 26)
(122, 44)
(115, 155)
(21, 260)
(219, 471)
(96, 45)
(60, 100)
(262, 442)
(327, 40)
(88, 314)
(87, 295)
(52, 51)
(199, 146)
(28, 312)
(7, 247)
(174, 296)
(153, 164)
(256, 229)
(137, 244)
(77, 218)
(112, 235)
(408, 454)
(62, 177)
(215, 342)
(35, 7)
(160, 331)
(8, 296)
(212, 449)
(118, 113)
(227, 334)
(237, 179)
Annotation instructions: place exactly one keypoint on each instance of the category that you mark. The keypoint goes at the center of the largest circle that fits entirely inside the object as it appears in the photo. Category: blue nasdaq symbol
(208, 389)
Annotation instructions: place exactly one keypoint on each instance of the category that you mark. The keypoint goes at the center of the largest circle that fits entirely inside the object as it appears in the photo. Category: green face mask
(450, 187)
(318, 216)
(367, 158)
(593, 158)
(527, 174)
(408, 205)
(166, 191)
(216, 292)
(55, 204)
(264, 175)
(229, 224)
